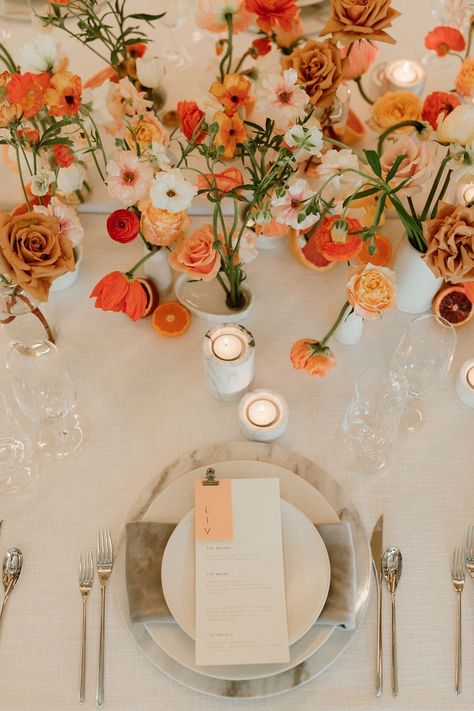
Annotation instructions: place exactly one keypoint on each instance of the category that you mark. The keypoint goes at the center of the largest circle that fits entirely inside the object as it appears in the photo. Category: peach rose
(450, 240)
(33, 252)
(371, 290)
(319, 68)
(465, 78)
(416, 167)
(196, 255)
(160, 226)
(145, 129)
(396, 106)
(365, 19)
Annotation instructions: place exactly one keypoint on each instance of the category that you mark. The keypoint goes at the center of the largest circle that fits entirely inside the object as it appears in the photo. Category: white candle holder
(263, 415)
(229, 351)
(400, 75)
(464, 384)
(464, 193)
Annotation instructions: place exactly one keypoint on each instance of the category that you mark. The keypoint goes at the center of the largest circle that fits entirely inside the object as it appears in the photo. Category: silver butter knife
(376, 548)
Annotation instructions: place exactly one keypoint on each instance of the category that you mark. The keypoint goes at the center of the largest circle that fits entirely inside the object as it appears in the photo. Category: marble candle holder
(229, 351)
(263, 415)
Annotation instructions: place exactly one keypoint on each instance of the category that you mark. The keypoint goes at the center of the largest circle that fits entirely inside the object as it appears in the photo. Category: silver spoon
(392, 571)
(12, 562)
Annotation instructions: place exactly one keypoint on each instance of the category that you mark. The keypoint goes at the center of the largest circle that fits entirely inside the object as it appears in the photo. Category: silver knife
(376, 547)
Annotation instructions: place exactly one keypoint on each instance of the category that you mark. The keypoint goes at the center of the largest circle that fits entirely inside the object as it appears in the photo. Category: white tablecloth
(146, 404)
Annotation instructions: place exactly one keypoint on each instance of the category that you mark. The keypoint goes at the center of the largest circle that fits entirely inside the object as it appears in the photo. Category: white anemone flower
(39, 55)
(170, 191)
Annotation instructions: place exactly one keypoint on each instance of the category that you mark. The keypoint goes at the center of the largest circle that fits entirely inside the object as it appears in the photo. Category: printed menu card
(240, 586)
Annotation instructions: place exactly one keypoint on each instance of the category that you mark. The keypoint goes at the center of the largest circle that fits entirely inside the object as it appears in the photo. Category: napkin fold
(145, 545)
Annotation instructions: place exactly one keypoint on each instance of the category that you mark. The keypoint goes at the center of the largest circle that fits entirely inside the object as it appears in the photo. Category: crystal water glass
(424, 355)
(18, 470)
(372, 419)
(45, 393)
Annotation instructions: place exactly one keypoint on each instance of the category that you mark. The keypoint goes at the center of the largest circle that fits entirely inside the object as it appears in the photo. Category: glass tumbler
(18, 471)
(372, 419)
(45, 393)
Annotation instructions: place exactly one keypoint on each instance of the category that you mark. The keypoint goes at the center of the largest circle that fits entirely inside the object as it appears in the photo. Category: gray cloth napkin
(146, 542)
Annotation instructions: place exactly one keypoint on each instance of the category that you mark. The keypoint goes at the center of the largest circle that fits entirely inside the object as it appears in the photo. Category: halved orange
(316, 261)
(383, 252)
(354, 129)
(171, 319)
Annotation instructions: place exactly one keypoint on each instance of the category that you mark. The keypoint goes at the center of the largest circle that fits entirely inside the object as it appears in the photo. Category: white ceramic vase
(206, 299)
(158, 271)
(68, 279)
(416, 283)
(350, 330)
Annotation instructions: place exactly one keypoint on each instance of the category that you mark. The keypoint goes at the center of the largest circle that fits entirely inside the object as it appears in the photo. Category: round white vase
(68, 279)
(416, 283)
(158, 271)
(206, 300)
(350, 330)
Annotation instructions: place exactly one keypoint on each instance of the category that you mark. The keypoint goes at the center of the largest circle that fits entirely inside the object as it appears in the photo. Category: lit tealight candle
(263, 415)
(464, 384)
(405, 74)
(229, 361)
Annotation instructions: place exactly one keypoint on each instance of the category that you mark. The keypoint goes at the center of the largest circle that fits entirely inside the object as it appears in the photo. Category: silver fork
(105, 562)
(458, 569)
(86, 579)
(470, 551)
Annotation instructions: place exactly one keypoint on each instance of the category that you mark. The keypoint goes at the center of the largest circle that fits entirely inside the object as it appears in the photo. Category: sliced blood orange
(308, 255)
(152, 297)
(171, 319)
(454, 305)
(382, 255)
(469, 286)
(354, 129)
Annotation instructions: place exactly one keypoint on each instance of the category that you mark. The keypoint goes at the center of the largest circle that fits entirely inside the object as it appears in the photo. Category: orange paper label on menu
(213, 512)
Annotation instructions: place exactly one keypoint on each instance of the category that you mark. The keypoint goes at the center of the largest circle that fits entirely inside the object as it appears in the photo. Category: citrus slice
(453, 305)
(152, 297)
(469, 286)
(311, 258)
(354, 129)
(382, 255)
(171, 319)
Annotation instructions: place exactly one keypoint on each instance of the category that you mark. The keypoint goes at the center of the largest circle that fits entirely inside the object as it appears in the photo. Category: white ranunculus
(170, 191)
(150, 71)
(41, 181)
(71, 179)
(458, 126)
(39, 55)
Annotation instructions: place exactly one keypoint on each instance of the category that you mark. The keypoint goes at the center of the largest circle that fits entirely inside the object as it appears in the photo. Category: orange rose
(142, 130)
(232, 93)
(365, 19)
(196, 255)
(465, 78)
(160, 226)
(319, 68)
(231, 132)
(309, 355)
(223, 182)
(371, 290)
(63, 95)
(33, 252)
(396, 106)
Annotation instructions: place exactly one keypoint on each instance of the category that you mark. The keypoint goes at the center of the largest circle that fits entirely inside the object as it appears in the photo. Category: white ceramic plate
(305, 560)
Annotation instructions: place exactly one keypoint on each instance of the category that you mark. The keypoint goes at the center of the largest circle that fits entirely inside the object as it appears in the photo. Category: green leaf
(374, 162)
(146, 16)
(361, 194)
(393, 170)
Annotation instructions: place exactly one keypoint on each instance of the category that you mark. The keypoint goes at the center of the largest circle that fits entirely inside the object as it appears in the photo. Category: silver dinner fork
(470, 551)
(458, 569)
(86, 579)
(105, 562)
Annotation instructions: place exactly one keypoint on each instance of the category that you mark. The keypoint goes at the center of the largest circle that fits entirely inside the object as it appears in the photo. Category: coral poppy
(224, 182)
(445, 39)
(261, 47)
(63, 96)
(63, 155)
(231, 132)
(438, 103)
(117, 292)
(336, 240)
(27, 90)
(272, 14)
(191, 119)
(137, 50)
(232, 93)
(309, 355)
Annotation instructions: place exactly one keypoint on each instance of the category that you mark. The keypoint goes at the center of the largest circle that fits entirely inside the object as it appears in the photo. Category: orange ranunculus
(109, 73)
(144, 129)
(335, 238)
(465, 78)
(231, 132)
(438, 103)
(223, 182)
(309, 355)
(28, 91)
(195, 254)
(116, 292)
(63, 95)
(232, 93)
(371, 290)
(161, 227)
(272, 14)
(396, 106)
(445, 39)
(191, 119)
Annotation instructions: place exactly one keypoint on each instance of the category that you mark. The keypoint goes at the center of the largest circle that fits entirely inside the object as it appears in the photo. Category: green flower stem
(401, 124)
(223, 284)
(441, 193)
(17, 153)
(228, 52)
(332, 330)
(358, 81)
(7, 59)
(434, 188)
(132, 271)
(242, 60)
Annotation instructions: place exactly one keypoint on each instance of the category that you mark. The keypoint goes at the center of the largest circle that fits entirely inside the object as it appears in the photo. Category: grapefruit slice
(354, 129)
(454, 305)
(308, 255)
(171, 319)
(383, 252)
(152, 297)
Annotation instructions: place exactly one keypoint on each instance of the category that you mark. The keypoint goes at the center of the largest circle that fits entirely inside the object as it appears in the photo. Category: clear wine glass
(45, 393)
(372, 419)
(177, 12)
(424, 355)
(18, 471)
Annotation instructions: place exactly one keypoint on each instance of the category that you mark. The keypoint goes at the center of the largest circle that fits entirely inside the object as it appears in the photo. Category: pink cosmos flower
(128, 179)
(211, 15)
(361, 56)
(288, 207)
(281, 99)
(69, 223)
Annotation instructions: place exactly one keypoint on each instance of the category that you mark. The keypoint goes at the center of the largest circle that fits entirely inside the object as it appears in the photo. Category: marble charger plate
(338, 502)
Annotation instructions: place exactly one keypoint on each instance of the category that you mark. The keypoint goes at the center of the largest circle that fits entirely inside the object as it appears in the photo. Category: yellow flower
(465, 78)
(396, 106)
(142, 130)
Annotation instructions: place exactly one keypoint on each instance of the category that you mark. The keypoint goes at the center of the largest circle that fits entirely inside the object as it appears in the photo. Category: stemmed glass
(18, 471)
(424, 355)
(45, 393)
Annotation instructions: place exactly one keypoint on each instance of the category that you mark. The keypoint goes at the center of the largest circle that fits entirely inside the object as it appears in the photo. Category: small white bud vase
(229, 351)
(350, 330)
(416, 283)
(158, 271)
(68, 279)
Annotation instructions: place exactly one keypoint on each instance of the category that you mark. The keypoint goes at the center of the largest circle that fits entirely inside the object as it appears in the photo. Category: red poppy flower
(116, 292)
(445, 39)
(436, 104)
(123, 225)
(137, 50)
(190, 119)
(336, 240)
(261, 47)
